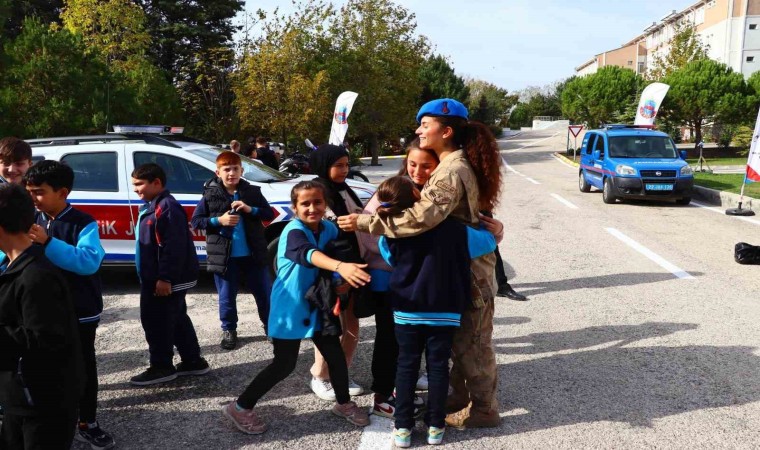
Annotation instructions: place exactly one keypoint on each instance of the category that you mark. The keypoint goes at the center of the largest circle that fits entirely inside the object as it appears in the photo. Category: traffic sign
(575, 129)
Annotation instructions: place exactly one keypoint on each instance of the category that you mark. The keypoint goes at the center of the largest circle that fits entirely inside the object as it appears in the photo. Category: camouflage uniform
(452, 190)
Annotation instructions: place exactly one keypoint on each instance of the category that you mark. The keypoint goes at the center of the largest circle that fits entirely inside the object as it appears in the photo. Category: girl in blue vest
(429, 290)
(291, 319)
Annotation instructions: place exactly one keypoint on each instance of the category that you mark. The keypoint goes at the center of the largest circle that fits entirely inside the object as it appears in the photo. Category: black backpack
(746, 254)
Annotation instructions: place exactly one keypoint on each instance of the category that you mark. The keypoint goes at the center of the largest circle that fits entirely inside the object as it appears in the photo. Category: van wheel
(272, 256)
(683, 201)
(583, 185)
(607, 195)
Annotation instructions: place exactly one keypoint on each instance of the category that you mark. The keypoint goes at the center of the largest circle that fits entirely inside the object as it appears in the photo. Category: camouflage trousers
(473, 374)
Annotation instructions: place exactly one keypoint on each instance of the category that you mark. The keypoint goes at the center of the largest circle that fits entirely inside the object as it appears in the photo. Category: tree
(489, 101)
(377, 53)
(51, 86)
(279, 88)
(439, 81)
(705, 89)
(684, 47)
(600, 97)
(182, 30)
(16, 11)
(113, 28)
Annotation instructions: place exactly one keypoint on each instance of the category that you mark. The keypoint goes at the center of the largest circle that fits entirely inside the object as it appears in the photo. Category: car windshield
(642, 147)
(252, 170)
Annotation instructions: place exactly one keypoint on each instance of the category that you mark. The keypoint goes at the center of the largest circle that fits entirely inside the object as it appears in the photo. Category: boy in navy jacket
(40, 355)
(167, 266)
(71, 242)
(231, 211)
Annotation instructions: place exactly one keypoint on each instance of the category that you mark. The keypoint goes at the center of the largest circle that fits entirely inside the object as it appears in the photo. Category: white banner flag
(753, 161)
(651, 99)
(340, 117)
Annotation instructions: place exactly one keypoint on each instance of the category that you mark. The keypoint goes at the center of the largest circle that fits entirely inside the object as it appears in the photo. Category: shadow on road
(634, 385)
(595, 282)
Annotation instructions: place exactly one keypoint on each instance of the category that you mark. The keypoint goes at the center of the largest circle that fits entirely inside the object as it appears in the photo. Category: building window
(711, 3)
(753, 26)
(642, 67)
(750, 59)
(630, 62)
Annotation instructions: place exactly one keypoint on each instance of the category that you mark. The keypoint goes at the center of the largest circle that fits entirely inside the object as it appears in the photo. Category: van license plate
(659, 187)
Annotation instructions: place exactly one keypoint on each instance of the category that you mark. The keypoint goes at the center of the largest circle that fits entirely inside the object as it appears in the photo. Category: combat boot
(470, 418)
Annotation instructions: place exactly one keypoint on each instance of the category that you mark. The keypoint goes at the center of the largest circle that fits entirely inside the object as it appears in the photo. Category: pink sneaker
(245, 420)
(351, 412)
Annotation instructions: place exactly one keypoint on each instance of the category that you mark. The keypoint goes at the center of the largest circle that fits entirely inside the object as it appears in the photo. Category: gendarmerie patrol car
(626, 161)
(102, 166)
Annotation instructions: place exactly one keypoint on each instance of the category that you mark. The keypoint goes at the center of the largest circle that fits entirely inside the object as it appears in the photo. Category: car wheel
(683, 201)
(607, 195)
(272, 256)
(356, 175)
(583, 185)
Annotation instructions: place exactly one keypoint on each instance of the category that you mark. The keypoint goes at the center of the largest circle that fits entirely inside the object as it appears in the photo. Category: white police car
(102, 166)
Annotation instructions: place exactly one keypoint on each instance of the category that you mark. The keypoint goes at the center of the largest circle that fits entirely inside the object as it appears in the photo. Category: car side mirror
(683, 154)
(597, 154)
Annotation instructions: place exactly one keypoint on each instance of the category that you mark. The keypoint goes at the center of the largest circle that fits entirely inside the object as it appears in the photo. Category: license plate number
(659, 187)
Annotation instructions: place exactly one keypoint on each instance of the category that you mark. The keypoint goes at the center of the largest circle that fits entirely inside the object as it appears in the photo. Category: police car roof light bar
(148, 129)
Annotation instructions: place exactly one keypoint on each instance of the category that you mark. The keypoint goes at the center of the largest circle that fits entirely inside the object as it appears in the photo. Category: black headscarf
(321, 160)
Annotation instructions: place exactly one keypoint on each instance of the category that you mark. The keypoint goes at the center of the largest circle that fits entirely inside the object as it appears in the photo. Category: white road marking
(532, 180)
(564, 202)
(721, 211)
(377, 435)
(659, 260)
(532, 143)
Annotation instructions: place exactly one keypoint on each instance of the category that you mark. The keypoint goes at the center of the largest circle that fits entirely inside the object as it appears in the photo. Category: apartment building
(729, 28)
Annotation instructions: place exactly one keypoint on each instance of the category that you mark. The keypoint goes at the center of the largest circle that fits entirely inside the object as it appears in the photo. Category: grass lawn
(721, 161)
(727, 182)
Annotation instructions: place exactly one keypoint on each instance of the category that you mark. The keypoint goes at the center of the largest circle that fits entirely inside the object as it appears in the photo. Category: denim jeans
(436, 342)
(258, 281)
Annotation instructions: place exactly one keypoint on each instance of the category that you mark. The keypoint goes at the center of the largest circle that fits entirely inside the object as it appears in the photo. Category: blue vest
(290, 316)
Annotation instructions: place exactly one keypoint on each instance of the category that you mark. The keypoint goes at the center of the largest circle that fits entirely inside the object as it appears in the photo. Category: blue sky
(518, 43)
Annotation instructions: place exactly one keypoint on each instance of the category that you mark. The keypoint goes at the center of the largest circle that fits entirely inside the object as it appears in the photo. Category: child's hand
(163, 288)
(353, 274)
(229, 220)
(38, 234)
(238, 205)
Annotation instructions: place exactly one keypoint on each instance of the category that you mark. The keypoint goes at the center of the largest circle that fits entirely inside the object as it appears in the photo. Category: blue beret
(442, 107)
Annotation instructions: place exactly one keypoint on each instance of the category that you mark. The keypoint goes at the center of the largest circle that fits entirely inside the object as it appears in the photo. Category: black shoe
(199, 367)
(95, 436)
(154, 375)
(505, 290)
(229, 339)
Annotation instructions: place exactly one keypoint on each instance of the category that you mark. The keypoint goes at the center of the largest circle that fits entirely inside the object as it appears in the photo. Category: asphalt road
(641, 332)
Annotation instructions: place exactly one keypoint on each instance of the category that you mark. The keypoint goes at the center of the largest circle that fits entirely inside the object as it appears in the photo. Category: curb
(718, 198)
(566, 159)
(725, 199)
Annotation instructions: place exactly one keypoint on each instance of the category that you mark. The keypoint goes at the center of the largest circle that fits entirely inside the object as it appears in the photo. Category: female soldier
(467, 180)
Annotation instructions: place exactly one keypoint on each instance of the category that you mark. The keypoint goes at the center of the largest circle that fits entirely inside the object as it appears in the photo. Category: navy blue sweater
(430, 283)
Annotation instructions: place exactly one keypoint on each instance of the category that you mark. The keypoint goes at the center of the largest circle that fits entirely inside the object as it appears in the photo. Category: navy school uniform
(429, 290)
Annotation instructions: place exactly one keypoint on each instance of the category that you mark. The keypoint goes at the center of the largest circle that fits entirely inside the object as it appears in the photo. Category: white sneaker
(422, 382)
(354, 389)
(323, 389)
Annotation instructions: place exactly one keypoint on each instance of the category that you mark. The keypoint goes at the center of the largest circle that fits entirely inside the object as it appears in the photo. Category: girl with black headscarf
(330, 164)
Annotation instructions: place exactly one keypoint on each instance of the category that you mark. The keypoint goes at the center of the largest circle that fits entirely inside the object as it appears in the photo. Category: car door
(100, 190)
(596, 166)
(585, 153)
(184, 179)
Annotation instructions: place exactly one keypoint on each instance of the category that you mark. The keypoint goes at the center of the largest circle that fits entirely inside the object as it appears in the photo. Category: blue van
(628, 162)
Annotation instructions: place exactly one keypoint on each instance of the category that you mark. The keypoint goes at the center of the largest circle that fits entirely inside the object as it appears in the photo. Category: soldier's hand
(496, 227)
(348, 223)
(229, 220)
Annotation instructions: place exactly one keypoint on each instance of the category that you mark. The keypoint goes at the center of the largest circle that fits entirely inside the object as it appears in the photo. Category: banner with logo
(651, 99)
(753, 161)
(340, 117)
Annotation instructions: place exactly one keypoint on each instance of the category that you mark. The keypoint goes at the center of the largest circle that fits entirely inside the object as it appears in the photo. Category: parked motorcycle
(298, 163)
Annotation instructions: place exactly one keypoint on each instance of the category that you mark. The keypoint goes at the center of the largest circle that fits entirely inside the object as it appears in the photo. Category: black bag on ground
(746, 254)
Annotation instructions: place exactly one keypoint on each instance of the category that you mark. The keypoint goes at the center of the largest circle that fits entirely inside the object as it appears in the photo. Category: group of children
(418, 288)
